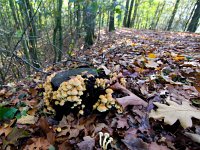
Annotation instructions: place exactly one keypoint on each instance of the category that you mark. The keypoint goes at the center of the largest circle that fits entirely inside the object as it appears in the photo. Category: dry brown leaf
(38, 144)
(175, 112)
(28, 119)
(87, 144)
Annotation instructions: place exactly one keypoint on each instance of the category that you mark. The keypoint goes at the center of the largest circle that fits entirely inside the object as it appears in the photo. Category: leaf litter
(161, 100)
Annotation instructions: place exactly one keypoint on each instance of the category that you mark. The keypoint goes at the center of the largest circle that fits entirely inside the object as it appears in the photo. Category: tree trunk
(112, 17)
(129, 14)
(135, 12)
(159, 14)
(195, 18)
(32, 35)
(152, 26)
(126, 13)
(57, 39)
(190, 16)
(173, 15)
(89, 15)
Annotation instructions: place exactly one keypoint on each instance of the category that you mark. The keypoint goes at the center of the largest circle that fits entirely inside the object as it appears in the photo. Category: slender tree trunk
(195, 18)
(57, 37)
(173, 15)
(112, 17)
(159, 14)
(135, 13)
(154, 17)
(189, 17)
(32, 35)
(126, 13)
(78, 19)
(129, 14)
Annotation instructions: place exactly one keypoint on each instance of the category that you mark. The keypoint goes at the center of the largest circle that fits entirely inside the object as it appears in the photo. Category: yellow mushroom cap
(109, 91)
(102, 108)
(75, 98)
(62, 103)
(69, 87)
(80, 93)
(81, 112)
(74, 92)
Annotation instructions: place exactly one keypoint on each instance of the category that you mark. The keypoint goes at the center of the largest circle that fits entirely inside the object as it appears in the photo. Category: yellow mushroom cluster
(101, 83)
(48, 92)
(106, 102)
(118, 77)
(69, 91)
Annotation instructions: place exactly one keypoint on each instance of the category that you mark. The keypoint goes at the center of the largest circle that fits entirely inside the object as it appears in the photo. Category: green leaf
(7, 113)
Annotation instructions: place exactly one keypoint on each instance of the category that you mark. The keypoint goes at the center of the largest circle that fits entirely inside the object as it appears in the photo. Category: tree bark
(57, 37)
(135, 12)
(129, 14)
(89, 16)
(126, 13)
(173, 15)
(112, 17)
(195, 18)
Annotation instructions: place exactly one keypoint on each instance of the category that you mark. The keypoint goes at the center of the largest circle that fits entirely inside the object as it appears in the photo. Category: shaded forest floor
(157, 66)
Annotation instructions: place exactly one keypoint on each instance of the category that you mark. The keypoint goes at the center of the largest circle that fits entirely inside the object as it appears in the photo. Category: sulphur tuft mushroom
(102, 108)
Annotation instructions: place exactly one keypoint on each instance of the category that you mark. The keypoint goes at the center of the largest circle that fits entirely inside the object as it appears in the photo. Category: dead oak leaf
(38, 143)
(175, 112)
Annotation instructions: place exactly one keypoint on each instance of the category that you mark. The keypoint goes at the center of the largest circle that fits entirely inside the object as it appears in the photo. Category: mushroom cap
(109, 91)
(102, 108)
(74, 92)
(81, 112)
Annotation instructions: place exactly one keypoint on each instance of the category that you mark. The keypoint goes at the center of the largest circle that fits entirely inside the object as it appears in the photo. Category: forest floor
(161, 68)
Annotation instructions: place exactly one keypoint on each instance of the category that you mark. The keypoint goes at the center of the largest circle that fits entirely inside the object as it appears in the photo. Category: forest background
(35, 34)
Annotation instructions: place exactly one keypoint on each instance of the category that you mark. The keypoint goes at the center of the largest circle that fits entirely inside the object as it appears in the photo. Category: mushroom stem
(106, 135)
(109, 141)
(100, 138)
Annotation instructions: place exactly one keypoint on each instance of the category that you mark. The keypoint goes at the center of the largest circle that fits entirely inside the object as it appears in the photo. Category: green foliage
(7, 113)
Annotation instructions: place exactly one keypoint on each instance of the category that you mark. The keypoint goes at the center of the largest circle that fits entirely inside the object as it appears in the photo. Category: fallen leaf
(155, 146)
(152, 55)
(87, 144)
(28, 119)
(38, 143)
(133, 143)
(194, 137)
(14, 136)
(175, 112)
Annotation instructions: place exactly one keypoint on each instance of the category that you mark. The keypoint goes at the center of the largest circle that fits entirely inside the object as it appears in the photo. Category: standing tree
(57, 37)
(89, 18)
(129, 14)
(112, 17)
(195, 18)
(135, 12)
(126, 13)
(173, 15)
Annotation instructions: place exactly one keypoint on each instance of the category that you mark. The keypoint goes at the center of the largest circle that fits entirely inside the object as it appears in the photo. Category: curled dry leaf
(28, 119)
(175, 112)
(132, 99)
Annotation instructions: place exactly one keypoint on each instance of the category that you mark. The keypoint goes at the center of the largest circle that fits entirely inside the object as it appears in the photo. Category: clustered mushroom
(73, 89)
(118, 77)
(104, 142)
(103, 83)
(48, 91)
(106, 101)
(70, 91)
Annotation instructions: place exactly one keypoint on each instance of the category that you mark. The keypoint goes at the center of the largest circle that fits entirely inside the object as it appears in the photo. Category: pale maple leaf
(175, 112)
